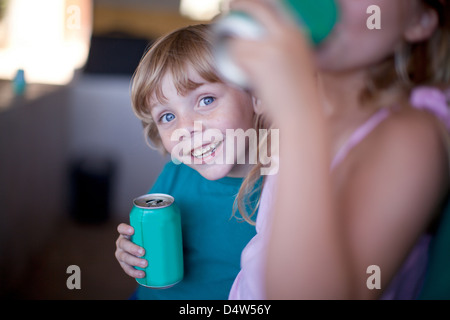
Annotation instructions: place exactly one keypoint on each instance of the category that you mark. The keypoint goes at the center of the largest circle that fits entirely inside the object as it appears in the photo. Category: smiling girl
(176, 90)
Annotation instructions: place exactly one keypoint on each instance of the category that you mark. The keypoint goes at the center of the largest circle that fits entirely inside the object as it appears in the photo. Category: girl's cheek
(167, 143)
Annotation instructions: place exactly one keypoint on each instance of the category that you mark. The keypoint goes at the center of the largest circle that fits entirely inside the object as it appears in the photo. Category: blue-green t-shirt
(212, 238)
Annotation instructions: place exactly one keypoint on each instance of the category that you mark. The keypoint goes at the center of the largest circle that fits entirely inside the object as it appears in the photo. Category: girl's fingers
(123, 243)
(132, 272)
(266, 12)
(124, 257)
(125, 229)
(127, 252)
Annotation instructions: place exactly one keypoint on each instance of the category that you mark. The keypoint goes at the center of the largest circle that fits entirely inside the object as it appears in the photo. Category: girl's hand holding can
(128, 253)
(275, 62)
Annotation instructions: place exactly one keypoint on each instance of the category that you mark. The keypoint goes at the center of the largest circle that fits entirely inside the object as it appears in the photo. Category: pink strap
(434, 101)
(359, 135)
(423, 98)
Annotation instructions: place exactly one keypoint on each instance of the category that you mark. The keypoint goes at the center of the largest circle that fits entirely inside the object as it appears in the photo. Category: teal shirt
(212, 238)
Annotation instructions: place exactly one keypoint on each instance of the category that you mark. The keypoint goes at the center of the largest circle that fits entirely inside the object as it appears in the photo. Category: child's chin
(212, 172)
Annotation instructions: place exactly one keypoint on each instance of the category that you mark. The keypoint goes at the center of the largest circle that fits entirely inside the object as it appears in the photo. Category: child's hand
(127, 253)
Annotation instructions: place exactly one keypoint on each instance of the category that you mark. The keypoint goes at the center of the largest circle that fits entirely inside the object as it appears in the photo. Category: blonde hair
(413, 64)
(175, 53)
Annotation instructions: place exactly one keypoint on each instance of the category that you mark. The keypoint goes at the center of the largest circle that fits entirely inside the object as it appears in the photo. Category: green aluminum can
(157, 228)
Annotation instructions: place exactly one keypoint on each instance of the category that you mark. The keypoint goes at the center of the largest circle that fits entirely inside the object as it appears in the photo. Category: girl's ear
(257, 107)
(424, 27)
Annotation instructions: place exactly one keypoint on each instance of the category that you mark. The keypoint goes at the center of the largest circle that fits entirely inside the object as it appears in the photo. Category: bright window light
(202, 10)
(48, 39)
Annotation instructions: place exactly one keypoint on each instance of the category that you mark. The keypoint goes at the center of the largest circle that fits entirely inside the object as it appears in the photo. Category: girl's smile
(207, 152)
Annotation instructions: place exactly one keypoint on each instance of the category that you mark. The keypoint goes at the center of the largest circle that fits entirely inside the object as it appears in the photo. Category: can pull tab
(153, 202)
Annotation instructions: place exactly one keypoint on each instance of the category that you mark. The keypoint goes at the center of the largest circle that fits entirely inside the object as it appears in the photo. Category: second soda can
(316, 17)
(157, 228)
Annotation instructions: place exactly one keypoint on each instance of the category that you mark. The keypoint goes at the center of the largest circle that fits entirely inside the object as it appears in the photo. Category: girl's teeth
(206, 151)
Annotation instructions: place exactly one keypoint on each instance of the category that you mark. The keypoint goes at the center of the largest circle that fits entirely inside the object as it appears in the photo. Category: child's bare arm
(306, 236)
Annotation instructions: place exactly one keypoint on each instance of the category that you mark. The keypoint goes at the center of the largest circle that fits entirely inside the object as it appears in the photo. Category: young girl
(367, 117)
(179, 98)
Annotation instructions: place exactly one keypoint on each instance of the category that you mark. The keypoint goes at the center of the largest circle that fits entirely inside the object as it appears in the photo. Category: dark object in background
(115, 53)
(90, 189)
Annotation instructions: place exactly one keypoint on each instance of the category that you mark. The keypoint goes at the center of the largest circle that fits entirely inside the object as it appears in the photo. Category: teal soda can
(157, 228)
(316, 17)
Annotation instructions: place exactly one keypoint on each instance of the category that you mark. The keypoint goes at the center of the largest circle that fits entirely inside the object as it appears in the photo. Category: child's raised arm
(282, 70)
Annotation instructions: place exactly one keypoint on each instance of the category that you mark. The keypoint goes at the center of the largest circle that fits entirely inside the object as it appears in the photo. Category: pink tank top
(408, 281)
(359, 135)
(422, 98)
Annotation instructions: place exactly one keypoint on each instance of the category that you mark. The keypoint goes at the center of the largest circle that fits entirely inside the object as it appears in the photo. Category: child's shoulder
(410, 121)
(413, 125)
(410, 133)
(406, 152)
(405, 135)
(425, 113)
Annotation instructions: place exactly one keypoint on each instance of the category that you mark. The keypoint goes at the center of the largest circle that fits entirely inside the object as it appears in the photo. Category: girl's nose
(190, 125)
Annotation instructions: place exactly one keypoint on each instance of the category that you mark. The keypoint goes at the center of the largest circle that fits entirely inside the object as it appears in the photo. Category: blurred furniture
(33, 153)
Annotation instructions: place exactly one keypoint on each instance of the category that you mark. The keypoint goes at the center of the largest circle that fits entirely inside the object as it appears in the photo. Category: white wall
(102, 124)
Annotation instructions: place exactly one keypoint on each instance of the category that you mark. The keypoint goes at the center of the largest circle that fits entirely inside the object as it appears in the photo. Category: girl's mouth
(205, 151)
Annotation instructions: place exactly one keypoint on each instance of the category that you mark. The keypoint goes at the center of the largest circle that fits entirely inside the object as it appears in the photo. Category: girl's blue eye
(206, 101)
(167, 117)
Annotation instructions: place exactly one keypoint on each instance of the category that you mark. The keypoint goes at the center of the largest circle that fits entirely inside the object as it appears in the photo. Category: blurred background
(72, 153)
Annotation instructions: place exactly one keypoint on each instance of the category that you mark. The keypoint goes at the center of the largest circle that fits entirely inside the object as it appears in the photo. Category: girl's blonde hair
(252, 185)
(175, 53)
(423, 63)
